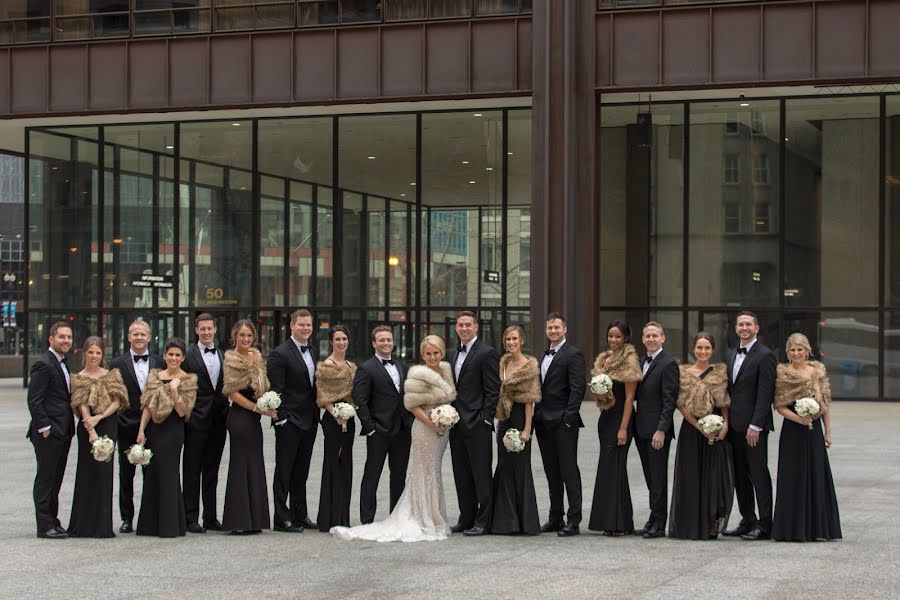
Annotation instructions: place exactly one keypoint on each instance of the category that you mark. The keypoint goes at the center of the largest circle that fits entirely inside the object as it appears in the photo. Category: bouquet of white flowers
(102, 449)
(807, 407)
(343, 410)
(138, 455)
(444, 416)
(711, 424)
(601, 384)
(512, 440)
(268, 400)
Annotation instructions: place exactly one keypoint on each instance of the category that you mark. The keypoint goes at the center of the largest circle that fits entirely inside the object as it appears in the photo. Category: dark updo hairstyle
(703, 335)
(623, 327)
(175, 342)
(335, 329)
(237, 327)
(95, 340)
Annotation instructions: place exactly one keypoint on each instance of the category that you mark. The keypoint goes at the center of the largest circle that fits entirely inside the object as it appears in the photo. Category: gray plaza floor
(865, 460)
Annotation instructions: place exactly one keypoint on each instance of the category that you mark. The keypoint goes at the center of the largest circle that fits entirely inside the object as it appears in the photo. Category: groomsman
(292, 373)
(656, 396)
(476, 371)
(135, 366)
(751, 385)
(378, 393)
(204, 433)
(556, 423)
(51, 429)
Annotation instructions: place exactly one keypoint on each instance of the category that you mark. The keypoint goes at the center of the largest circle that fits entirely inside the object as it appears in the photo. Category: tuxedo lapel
(221, 381)
(732, 356)
(383, 370)
(747, 359)
(557, 359)
(129, 369)
(59, 366)
(653, 363)
(471, 352)
(201, 364)
(298, 360)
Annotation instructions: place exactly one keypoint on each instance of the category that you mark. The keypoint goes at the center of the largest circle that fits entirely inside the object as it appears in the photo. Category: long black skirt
(162, 503)
(246, 493)
(515, 502)
(337, 474)
(92, 502)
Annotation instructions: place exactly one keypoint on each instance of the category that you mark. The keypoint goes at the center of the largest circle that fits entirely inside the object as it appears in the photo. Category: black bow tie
(209, 351)
(460, 348)
(64, 361)
(387, 361)
(304, 348)
(549, 352)
(648, 359)
(140, 357)
(742, 351)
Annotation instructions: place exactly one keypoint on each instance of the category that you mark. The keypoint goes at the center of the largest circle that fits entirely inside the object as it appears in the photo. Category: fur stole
(522, 386)
(790, 386)
(699, 396)
(621, 365)
(98, 393)
(424, 387)
(241, 374)
(157, 396)
(334, 383)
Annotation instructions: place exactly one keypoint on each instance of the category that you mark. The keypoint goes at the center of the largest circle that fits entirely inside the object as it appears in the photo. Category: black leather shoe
(654, 532)
(647, 526)
(195, 528)
(288, 527)
(126, 527)
(307, 524)
(737, 531)
(569, 530)
(241, 532)
(213, 525)
(459, 528)
(53, 534)
(475, 531)
(755, 534)
(551, 526)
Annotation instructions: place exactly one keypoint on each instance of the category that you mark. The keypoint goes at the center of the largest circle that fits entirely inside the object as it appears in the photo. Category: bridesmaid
(97, 395)
(703, 485)
(515, 503)
(611, 510)
(168, 400)
(806, 507)
(334, 383)
(246, 493)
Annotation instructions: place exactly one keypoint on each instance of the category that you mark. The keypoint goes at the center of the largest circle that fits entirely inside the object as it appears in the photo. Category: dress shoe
(737, 531)
(459, 528)
(305, 523)
(569, 530)
(475, 531)
(288, 527)
(551, 526)
(755, 534)
(654, 532)
(240, 532)
(647, 526)
(213, 525)
(126, 527)
(53, 534)
(195, 528)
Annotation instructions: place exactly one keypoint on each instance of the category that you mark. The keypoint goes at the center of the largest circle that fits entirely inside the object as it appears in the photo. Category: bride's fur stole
(424, 387)
(334, 383)
(241, 374)
(621, 365)
(522, 386)
(157, 396)
(699, 396)
(790, 386)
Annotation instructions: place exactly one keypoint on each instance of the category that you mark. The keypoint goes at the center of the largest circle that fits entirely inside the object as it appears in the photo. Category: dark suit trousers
(293, 453)
(559, 453)
(127, 438)
(472, 454)
(51, 454)
(202, 457)
(751, 475)
(380, 446)
(656, 473)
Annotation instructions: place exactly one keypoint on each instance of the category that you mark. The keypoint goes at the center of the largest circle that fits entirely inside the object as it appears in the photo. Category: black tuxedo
(471, 440)
(656, 396)
(294, 440)
(751, 404)
(129, 423)
(557, 419)
(49, 405)
(386, 425)
(204, 439)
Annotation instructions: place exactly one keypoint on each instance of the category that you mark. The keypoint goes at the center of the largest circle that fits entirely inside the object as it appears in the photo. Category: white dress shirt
(461, 357)
(141, 368)
(392, 370)
(307, 359)
(211, 359)
(548, 359)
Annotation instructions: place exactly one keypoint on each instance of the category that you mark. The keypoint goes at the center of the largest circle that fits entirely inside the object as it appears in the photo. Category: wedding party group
(171, 415)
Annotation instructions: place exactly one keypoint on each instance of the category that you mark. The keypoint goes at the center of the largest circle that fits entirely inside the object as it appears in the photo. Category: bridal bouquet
(343, 410)
(807, 407)
(711, 424)
(601, 384)
(444, 416)
(268, 400)
(512, 440)
(102, 449)
(138, 455)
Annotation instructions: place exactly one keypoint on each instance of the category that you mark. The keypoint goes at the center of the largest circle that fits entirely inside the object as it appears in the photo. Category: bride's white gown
(420, 514)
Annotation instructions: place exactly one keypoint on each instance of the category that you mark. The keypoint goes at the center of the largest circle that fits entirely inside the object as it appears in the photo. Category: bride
(420, 514)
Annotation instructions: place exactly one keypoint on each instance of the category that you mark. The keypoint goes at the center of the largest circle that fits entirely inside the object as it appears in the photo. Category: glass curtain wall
(772, 205)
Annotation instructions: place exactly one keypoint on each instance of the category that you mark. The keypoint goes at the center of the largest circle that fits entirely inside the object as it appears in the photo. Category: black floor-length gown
(246, 493)
(92, 502)
(611, 508)
(162, 503)
(515, 502)
(337, 474)
(806, 506)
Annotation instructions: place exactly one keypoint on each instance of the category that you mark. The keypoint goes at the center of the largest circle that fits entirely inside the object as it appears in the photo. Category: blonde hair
(433, 340)
(662, 330)
(798, 339)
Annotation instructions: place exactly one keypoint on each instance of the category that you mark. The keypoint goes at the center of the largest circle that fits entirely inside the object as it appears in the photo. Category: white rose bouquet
(444, 416)
(601, 384)
(512, 440)
(268, 400)
(711, 425)
(807, 407)
(343, 410)
(138, 455)
(102, 449)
